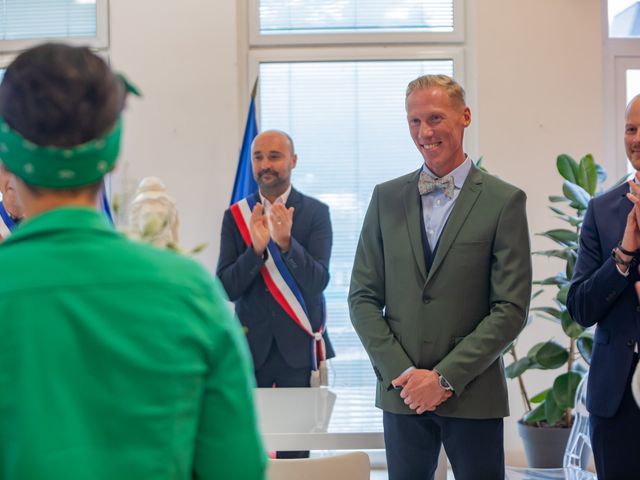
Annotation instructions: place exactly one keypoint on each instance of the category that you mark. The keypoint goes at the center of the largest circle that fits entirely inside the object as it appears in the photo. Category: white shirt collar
(281, 199)
(459, 174)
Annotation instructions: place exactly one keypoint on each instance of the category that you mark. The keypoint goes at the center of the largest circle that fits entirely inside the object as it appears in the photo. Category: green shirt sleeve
(228, 442)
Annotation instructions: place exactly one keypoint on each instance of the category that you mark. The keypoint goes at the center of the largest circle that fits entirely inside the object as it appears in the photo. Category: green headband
(59, 167)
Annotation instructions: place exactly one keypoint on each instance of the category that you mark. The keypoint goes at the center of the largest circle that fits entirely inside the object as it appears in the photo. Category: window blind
(329, 16)
(349, 126)
(33, 19)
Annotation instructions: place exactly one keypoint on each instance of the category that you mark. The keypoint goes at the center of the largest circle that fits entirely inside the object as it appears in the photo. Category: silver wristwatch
(443, 382)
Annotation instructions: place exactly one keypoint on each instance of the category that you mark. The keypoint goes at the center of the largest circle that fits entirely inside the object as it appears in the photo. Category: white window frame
(100, 41)
(366, 53)
(258, 39)
(620, 54)
(255, 49)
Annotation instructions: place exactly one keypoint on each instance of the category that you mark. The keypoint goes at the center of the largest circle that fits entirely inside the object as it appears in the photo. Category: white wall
(537, 69)
(540, 93)
(184, 130)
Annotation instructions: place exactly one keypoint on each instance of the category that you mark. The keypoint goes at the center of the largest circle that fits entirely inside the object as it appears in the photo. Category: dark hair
(60, 95)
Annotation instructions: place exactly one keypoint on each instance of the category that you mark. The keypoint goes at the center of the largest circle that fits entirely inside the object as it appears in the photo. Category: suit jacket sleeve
(509, 296)
(310, 266)
(596, 283)
(238, 266)
(367, 301)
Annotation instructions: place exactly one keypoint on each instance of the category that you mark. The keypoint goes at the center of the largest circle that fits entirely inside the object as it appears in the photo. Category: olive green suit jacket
(459, 316)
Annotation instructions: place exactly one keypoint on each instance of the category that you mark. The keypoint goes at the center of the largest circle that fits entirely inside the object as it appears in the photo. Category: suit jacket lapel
(464, 203)
(623, 208)
(411, 201)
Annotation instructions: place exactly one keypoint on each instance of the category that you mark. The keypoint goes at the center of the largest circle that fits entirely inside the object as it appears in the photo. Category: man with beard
(274, 264)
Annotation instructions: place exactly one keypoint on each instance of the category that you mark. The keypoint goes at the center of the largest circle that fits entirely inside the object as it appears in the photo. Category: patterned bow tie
(427, 184)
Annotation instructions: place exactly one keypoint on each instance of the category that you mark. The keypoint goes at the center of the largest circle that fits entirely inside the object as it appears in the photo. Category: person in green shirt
(118, 360)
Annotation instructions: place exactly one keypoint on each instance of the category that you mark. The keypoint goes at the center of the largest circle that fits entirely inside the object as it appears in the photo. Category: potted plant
(548, 414)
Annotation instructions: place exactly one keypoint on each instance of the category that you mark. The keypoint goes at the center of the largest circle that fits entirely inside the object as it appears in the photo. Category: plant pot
(544, 446)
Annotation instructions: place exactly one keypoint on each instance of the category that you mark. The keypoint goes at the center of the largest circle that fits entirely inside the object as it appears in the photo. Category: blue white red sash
(284, 290)
(6, 222)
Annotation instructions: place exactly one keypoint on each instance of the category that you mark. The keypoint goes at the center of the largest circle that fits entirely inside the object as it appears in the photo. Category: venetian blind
(329, 16)
(33, 19)
(348, 123)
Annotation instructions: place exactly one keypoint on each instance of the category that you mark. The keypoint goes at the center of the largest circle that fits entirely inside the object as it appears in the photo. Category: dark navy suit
(270, 331)
(601, 296)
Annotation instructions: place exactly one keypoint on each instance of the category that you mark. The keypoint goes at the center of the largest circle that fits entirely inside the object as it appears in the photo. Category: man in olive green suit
(440, 287)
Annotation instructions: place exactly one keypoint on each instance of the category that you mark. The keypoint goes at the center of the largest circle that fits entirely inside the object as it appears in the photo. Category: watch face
(444, 384)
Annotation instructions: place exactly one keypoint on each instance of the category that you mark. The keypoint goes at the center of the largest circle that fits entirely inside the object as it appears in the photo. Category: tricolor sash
(6, 222)
(285, 291)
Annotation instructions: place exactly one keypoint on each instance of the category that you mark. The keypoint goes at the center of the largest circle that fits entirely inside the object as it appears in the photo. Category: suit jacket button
(426, 300)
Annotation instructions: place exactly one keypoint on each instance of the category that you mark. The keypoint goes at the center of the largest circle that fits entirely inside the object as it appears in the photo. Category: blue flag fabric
(244, 183)
(104, 203)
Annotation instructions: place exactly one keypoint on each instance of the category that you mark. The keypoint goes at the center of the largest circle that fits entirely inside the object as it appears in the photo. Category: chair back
(348, 466)
(578, 451)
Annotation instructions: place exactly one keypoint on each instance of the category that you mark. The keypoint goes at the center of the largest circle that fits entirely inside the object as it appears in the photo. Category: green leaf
(564, 389)
(540, 396)
(585, 346)
(557, 210)
(621, 180)
(570, 327)
(578, 196)
(589, 174)
(518, 368)
(559, 279)
(548, 310)
(548, 355)
(557, 199)
(561, 296)
(552, 410)
(567, 167)
(536, 415)
(601, 172)
(561, 236)
(563, 254)
(571, 263)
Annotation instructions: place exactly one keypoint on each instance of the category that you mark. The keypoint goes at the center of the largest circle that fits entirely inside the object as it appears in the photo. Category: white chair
(347, 466)
(576, 454)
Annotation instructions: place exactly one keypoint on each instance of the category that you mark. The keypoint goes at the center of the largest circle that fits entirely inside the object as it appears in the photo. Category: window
(24, 23)
(349, 128)
(279, 22)
(624, 18)
(343, 104)
(622, 74)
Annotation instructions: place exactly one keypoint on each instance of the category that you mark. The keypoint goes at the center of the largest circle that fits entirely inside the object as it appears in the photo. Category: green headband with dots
(59, 167)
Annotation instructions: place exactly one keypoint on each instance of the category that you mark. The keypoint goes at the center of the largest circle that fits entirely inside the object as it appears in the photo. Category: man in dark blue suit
(602, 294)
(300, 228)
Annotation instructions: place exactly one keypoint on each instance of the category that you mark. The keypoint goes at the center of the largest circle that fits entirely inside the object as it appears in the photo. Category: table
(319, 419)
(323, 419)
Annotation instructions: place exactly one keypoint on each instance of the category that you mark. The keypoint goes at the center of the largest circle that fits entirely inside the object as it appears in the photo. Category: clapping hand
(259, 230)
(281, 223)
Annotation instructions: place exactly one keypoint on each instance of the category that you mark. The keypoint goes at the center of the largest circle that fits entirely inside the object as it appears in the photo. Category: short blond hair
(454, 89)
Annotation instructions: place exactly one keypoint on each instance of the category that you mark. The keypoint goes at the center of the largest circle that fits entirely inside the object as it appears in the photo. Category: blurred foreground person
(117, 360)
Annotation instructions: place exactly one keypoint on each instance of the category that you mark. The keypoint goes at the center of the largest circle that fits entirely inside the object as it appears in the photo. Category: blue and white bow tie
(427, 184)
